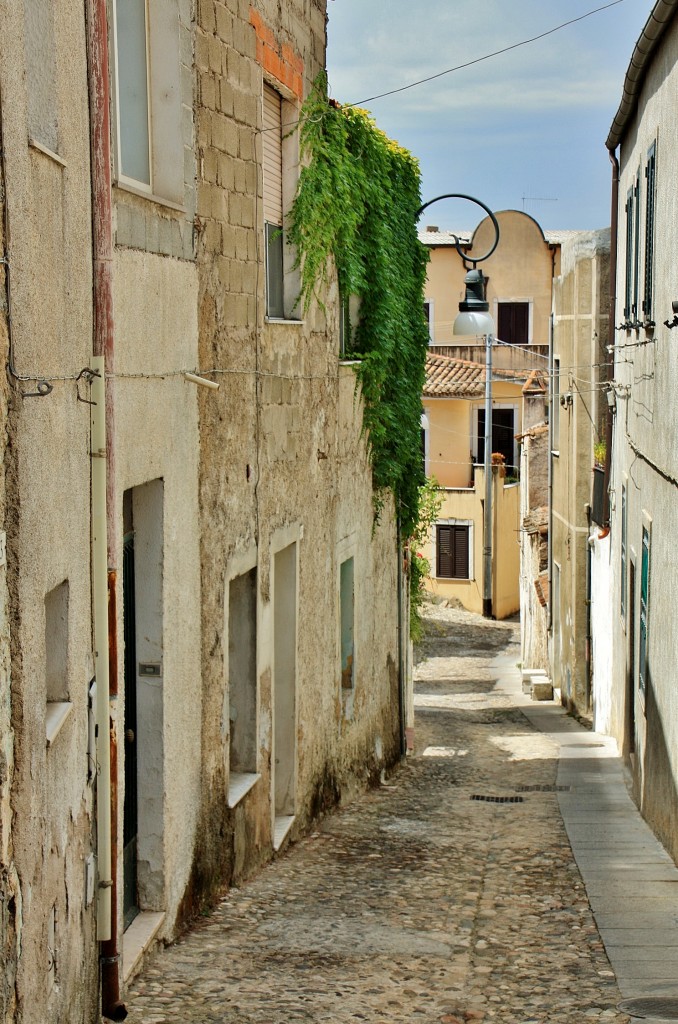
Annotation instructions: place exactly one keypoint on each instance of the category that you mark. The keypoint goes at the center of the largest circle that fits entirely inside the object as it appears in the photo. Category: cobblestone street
(425, 900)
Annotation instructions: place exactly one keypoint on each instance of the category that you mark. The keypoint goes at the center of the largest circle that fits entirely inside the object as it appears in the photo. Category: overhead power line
(487, 56)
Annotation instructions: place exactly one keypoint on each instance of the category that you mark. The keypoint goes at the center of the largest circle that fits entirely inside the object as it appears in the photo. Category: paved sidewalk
(448, 895)
(631, 881)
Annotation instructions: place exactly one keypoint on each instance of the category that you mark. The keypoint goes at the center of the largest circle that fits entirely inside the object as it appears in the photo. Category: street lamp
(474, 319)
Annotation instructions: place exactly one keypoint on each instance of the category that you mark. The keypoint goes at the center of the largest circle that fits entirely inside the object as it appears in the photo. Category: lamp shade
(474, 316)
(477, 323)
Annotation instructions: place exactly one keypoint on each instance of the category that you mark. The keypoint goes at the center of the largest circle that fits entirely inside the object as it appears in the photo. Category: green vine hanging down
(357, 200)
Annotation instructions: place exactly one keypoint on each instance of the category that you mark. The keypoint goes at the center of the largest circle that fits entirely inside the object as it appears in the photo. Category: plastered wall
(48, 537)
(645, 431)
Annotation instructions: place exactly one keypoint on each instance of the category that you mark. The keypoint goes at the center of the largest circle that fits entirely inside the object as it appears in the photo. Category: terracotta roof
(536, 383)
(541, 585)
(538, 430)
(435, 238)
(537, 520)
(446, 238)
(447, 376)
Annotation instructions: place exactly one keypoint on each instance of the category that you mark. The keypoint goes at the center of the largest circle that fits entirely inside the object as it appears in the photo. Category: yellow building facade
(453, 437)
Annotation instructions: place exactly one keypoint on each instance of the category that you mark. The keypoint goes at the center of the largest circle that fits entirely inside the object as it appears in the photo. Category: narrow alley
(450, 894)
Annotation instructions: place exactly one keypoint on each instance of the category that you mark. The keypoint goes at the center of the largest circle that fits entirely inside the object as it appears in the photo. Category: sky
(524, 130)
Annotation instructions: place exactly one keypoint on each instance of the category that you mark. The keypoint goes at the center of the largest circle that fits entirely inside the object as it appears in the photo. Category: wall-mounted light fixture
(474, 319)
(673, 323)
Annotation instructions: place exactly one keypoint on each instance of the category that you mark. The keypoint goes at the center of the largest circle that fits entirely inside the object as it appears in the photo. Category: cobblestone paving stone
(414, 903)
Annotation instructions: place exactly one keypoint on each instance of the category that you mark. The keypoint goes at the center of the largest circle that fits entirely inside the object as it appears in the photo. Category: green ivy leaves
(356, 204)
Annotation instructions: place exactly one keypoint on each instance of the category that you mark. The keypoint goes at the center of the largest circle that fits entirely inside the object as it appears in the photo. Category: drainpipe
(100, 601)
(103, 504)
(401, 641)
(549, 624)
(588, 654)
(614, 228)
(487, 530)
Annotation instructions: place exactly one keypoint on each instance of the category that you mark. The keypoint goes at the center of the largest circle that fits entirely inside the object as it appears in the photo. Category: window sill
(49, 153)
(349, 362)
(125, 186)
(281, 827)
(137, 939)
(57, 713)
(284, 320)
(239, 785)
(555, 452)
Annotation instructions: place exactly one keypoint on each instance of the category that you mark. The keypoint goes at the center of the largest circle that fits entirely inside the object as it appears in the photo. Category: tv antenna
(538, 199)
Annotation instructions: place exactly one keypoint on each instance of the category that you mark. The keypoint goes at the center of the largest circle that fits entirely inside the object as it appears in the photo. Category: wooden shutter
(272, 155)
(452, 554)
(461, 559)
(650, 169)
(444, 558)
(514, 322)
(636, 250)
(629, 254)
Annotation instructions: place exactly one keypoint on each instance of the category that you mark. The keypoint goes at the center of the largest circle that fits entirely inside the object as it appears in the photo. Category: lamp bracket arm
(468, 262)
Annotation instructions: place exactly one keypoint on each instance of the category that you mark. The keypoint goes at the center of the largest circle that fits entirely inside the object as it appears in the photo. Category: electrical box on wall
(90, 879)
(92, 731)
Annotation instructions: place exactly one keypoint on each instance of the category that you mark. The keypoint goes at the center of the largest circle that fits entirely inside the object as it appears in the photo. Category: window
(56, 660)
(453, 551)
(555, 405)
(513, 322)
(624, 520)
(56, 643)
(280, 154)
(347, 602)
(242, 673)
(650, 173)
(41, 72)
(428, 317)
(644, 608)
(150, 146)
(503, 437)
(425, 433)
(632, 254)
(349, 315)
(273, 203)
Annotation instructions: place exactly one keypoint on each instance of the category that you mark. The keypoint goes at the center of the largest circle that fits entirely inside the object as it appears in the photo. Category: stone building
(47, 922)
(454, 417)
(534, 522)
(520, 276)
(201, 642)
(578, 370)
(643, 710)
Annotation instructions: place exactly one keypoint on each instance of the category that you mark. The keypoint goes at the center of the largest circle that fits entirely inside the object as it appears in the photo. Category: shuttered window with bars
(650, 171)
(273, 203)
(452, 551)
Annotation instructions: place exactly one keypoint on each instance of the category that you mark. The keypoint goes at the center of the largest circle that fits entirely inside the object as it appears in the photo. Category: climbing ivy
(356, 204)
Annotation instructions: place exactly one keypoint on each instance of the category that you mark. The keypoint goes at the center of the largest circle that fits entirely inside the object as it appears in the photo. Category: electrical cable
(460, 67)
(487, 56)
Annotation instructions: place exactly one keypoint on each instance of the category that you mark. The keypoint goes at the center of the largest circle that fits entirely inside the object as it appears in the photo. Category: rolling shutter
(272, 156)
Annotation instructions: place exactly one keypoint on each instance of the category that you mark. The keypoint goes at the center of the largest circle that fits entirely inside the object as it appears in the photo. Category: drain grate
(498, 799)
(543, 789)
(651, 1006)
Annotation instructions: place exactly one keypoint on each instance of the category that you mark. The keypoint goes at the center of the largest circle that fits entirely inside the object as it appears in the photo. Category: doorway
(130, 901)
(143, 802)
(503, 437)
(631, 663)
(284, 690)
